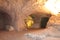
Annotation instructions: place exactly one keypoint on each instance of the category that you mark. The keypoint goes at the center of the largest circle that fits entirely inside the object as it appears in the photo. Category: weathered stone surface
(20, 9)
(54, 22)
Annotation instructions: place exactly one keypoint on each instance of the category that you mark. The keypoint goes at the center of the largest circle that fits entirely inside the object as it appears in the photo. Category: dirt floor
(36, 34)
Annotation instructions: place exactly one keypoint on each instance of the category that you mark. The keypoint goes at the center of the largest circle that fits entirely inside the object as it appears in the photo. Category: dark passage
(44, 21)
(5, 19)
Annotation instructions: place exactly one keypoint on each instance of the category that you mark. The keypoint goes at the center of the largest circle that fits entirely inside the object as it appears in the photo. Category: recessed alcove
(5, 19)
(39, 20)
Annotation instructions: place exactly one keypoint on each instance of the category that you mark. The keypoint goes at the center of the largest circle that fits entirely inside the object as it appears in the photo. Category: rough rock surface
(54, 21)
(20, 9)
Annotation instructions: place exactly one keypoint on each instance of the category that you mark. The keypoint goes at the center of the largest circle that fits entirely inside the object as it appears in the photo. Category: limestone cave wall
(20, 9)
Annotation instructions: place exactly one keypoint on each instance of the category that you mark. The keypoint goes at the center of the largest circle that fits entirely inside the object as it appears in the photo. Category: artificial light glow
(53, 6)
(29, 22)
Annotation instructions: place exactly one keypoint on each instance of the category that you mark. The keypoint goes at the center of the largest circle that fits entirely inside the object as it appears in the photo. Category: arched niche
(5, 19)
